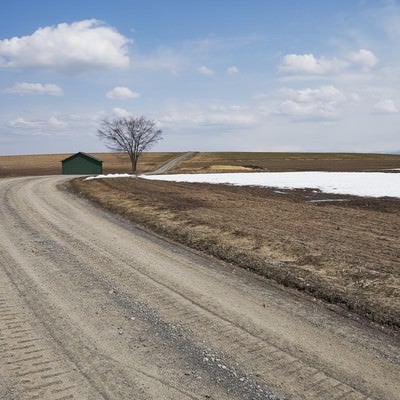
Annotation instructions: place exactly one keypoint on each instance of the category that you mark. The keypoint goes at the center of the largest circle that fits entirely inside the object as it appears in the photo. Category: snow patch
(364, 184)
(89, 178)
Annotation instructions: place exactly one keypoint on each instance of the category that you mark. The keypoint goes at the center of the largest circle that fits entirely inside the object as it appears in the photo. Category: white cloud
(203, 70)
(386, 106)
(233, 70)
(69, 48)
(298, 64)
(308, 64)
(308, 111)
(121, 93)
(232, 119)
(121, 112)
(323, 93)
(365, 58)
(55, 122)
(220, 115)
(208, 118)
(39, 123)
(323, 103)
(20, 122)
(35, 88)
(221, 107)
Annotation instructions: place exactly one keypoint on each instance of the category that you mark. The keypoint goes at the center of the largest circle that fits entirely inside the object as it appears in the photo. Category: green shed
(81, 164)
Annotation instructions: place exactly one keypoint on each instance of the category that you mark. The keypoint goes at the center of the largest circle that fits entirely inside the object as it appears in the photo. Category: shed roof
(84, 155)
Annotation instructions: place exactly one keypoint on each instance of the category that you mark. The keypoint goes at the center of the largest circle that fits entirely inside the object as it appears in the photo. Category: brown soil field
(344, 252)
(227, 162)
(50, 164)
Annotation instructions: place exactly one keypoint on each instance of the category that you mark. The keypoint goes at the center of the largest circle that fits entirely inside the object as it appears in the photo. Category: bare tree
(131, 135)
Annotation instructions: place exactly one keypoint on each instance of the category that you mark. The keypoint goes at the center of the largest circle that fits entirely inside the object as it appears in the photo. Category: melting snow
(366, 184)
(89, 178)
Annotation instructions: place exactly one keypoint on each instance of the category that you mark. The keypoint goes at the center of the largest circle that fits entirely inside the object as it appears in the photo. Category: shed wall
(81, 166)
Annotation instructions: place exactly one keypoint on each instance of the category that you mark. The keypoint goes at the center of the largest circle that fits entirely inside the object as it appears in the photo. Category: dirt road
(172, 163)
(94, 308)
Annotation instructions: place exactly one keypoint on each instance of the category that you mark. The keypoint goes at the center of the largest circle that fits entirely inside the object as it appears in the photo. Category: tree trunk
(134, 161)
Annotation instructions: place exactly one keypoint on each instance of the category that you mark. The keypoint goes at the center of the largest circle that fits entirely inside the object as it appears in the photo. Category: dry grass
(213, 162)
(346, 253)
(224, 168)
(50, 164)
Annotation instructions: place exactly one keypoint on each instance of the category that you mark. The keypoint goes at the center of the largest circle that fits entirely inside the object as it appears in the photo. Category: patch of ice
(365, 184)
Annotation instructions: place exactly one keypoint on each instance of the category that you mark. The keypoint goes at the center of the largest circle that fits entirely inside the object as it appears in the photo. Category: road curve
(92, 307)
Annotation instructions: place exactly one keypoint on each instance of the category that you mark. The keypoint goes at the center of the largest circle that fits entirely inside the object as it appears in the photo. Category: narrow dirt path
(172, 163)
(92, 308)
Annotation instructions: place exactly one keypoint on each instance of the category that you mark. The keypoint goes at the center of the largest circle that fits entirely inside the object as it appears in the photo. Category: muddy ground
(342, 249)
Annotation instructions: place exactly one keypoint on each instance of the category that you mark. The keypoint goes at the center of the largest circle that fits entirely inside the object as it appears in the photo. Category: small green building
(82, 164)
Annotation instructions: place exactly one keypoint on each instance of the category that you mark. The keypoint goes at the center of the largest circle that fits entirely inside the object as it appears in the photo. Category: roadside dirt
(92, 307)
(342, 249)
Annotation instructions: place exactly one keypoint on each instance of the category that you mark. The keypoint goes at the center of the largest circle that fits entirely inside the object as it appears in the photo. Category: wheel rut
(30, 362)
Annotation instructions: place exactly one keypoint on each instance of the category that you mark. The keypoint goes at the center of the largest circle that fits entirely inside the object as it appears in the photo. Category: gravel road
(171, 164)
(94, 308)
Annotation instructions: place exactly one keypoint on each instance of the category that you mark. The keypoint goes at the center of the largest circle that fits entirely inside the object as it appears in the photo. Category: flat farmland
(253, 161)
(344, 252)
(50, 164)
(200, 162)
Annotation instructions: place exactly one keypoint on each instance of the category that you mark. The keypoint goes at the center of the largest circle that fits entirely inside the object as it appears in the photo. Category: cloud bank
(204, 70)
(386, 106)
(35, 88)
(321, 103)
(308, 64)
(121, 93)
(68, 48)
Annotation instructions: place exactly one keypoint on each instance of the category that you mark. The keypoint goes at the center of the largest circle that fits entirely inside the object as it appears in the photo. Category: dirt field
(50, 164)
(227, 162)
(346, 252)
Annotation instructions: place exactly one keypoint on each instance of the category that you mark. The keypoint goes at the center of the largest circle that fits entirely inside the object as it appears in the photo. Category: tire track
(28, 359)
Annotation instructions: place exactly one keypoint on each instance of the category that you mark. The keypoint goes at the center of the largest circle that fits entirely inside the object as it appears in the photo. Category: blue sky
(234, 75)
